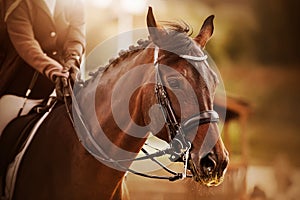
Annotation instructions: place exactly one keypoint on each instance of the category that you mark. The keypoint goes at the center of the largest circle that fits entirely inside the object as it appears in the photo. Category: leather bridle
(176, 130)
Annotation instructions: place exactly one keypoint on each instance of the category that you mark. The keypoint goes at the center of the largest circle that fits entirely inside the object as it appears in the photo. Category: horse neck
(115, 98)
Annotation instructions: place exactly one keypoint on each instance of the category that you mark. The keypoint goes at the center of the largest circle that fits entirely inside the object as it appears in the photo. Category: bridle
(176, 130)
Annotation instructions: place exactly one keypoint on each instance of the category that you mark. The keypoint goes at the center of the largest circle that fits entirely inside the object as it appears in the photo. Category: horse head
(188, 83)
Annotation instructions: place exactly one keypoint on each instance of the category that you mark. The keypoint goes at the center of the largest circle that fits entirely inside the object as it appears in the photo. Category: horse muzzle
(210, 170)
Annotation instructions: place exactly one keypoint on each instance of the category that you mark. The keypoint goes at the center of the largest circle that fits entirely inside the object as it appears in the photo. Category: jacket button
(54, 53)
(52, 34)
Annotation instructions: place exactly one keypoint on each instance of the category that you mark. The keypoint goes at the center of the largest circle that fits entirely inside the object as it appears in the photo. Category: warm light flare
(133, 6)
(101, 3)
(129, 6)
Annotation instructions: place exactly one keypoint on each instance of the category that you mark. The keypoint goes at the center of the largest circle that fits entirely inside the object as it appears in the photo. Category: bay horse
(165, 86)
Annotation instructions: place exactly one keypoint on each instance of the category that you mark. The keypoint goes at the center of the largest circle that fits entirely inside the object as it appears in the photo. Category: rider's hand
(61, 87)
(71, 66)
(59, 76)
(54, 71)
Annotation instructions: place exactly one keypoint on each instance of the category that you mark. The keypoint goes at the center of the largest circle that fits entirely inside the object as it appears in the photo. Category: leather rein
(176, 130)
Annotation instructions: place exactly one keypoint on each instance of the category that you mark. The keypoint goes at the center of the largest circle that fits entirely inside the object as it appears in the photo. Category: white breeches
(10, 106)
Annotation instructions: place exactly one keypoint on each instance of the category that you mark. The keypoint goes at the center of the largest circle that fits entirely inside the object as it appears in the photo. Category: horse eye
(174, 83)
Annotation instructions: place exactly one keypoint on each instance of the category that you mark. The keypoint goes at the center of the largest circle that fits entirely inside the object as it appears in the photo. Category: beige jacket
(41, 40)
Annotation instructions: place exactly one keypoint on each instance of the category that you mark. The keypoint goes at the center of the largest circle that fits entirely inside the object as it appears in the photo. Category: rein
(176, 130)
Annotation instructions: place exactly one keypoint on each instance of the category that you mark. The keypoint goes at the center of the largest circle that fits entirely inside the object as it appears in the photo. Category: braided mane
(175, 28)
(142, 44)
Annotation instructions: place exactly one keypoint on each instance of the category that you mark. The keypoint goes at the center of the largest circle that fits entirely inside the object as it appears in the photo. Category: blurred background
(256, 47)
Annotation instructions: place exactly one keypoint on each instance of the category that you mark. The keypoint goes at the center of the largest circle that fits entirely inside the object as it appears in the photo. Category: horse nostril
(208, 164)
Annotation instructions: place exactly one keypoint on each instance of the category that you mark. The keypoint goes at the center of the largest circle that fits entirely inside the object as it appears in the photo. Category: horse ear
(156, 32)
(206, 31)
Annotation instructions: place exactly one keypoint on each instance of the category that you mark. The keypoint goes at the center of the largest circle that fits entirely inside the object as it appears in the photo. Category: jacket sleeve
(74, 46)
(21, 34)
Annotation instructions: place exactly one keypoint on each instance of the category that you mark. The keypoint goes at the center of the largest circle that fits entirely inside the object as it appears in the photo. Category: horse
(166, 87)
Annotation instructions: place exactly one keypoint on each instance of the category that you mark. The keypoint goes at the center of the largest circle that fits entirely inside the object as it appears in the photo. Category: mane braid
(178, 27)
(142, 44)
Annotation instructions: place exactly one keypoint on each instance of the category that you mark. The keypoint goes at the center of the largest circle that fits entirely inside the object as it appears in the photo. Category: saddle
(15, 134)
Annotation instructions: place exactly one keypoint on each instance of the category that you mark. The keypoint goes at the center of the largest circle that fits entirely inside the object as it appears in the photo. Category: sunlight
(133, 6)
(129, 6)
(101, 3)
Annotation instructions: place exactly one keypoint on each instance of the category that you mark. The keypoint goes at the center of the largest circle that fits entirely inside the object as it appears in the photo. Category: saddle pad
(15, 143)
(13, 167)
(13, 138)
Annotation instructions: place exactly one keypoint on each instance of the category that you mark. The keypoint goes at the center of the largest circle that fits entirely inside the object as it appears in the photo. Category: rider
(45, 46)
